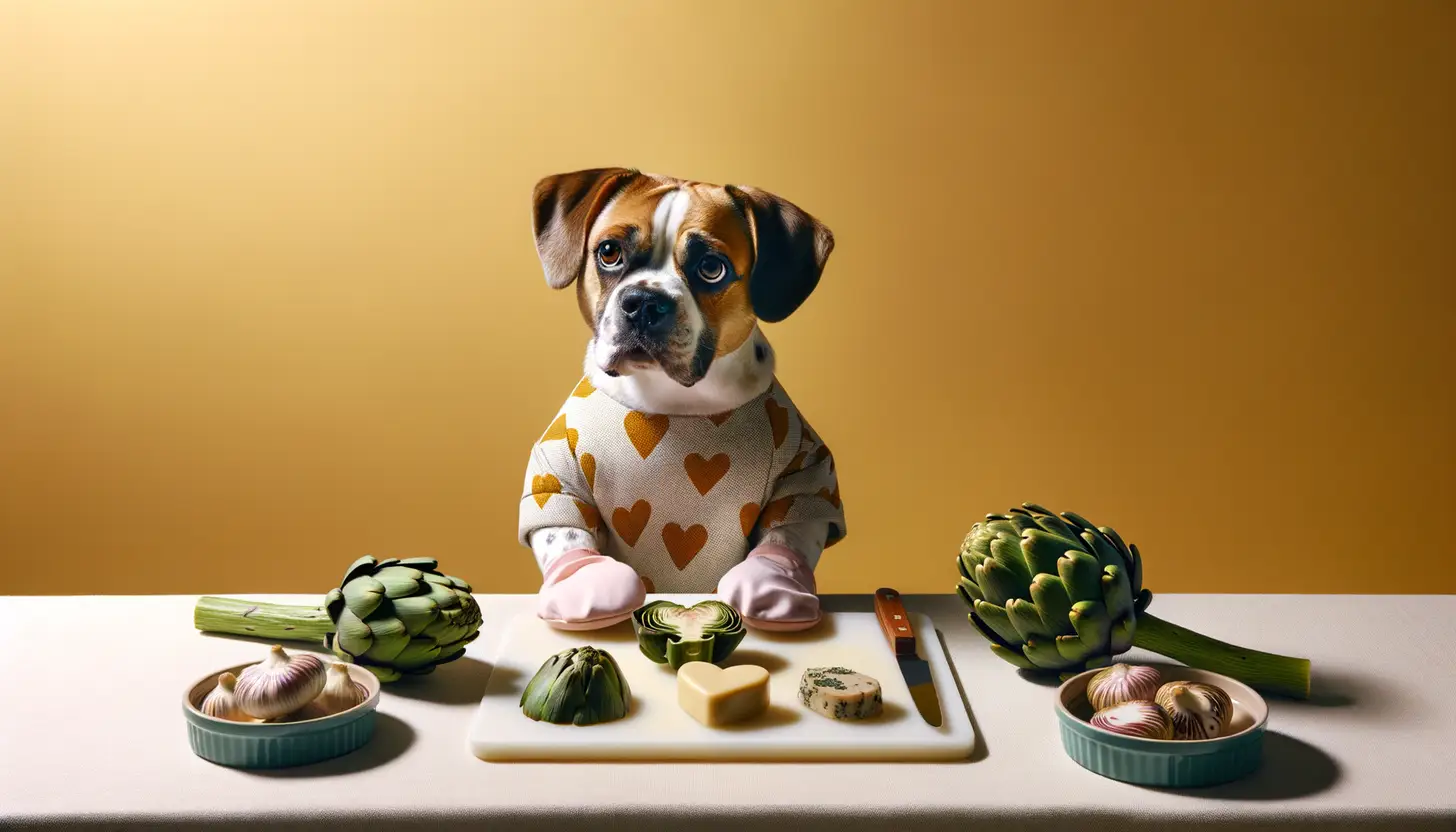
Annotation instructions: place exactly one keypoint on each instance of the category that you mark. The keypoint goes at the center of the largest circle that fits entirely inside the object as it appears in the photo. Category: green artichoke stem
(1267, 672)
(275, 622)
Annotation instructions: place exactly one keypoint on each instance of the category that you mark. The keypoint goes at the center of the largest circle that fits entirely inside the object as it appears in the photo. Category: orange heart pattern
(683, 544)
(543, 486)
(719, 418)
(775, 512)
(747, 516)
(778, 419)
(589, 468)
(589, 515)
(647, 584)
(797, 463)
(629, 524)
(818, 456)
(559, 430)
(583, 389)
(831, 496)
(705, 473)
(645, 431)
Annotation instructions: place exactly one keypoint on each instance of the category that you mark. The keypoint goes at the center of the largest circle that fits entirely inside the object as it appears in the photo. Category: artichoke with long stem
(393, 616)
(1056, 594)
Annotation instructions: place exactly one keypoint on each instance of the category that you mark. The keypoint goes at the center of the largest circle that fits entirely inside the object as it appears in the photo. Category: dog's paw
(596, 591)
(773, 589)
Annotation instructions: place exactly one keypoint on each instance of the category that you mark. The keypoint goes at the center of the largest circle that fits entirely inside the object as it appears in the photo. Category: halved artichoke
(671, 634)
(579, 686)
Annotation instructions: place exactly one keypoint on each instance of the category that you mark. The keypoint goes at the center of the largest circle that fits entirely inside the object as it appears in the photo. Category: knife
(896, 623)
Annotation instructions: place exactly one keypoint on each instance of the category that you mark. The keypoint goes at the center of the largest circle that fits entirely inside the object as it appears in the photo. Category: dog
(678, 463)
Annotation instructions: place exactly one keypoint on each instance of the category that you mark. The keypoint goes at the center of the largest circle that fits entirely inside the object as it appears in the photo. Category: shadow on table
(392, 737)
(1290, 769)
(461, 682)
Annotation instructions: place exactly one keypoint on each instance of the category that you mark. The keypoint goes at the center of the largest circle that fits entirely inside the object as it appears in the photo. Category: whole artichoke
(579, 686)
(393, 616)
(1058, 594)
(400, 616)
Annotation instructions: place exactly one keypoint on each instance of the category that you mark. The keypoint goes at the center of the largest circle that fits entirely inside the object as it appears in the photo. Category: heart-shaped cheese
(717, 696)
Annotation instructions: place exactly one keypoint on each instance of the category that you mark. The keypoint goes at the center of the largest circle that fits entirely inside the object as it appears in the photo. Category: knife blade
(896, 623)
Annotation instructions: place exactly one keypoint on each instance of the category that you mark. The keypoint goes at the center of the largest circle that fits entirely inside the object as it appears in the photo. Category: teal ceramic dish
(1168, 763)
(278, 744)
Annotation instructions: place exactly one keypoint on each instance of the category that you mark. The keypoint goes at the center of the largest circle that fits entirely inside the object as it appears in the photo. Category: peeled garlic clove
(222, 701)
(1122, 683)
(280, 684)
(340, 693)
(1198, 712)
(1138, 718)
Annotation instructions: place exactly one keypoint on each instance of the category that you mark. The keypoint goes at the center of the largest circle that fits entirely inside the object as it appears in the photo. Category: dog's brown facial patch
(713, 221)
(627, 220)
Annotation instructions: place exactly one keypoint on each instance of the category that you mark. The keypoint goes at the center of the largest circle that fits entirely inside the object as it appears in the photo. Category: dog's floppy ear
(564, 206)
(789, 251)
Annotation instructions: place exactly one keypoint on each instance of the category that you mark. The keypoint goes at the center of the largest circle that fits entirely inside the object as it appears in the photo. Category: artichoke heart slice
(671, 634)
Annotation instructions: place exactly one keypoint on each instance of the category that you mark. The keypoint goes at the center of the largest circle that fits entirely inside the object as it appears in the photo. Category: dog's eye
(609, 254)
(712, 269)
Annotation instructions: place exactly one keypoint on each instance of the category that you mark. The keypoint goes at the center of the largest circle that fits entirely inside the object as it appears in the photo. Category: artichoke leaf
(1027, 620)
(417, 613)
(1144, 599)
(1003, 576)
(986, 632)
(1013, 656)
(1122, 633)
(417, 653)
(1054, 525)
(390, 638)
(1074, 650)
(1116, 594)
(422, 564)
(399, 581)
(362, 566)
(1082, 576)
(969, 592)
(996, 619)
(363, 595)
(354, 636)
(1042, 551)
(1053, 603)
(1092, 623)
(1105, 552)
(1044, 654)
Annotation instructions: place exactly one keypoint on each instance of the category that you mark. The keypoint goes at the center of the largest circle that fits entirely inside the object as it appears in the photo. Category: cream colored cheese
(718, 696)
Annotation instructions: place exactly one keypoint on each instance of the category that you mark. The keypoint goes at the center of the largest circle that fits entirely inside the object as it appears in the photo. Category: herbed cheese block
(717, 696)
(840, 693)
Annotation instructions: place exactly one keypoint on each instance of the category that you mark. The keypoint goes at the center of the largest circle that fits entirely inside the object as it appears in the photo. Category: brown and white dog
(672, 277)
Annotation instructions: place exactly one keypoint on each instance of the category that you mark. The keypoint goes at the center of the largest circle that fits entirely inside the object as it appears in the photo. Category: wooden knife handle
(895, 621)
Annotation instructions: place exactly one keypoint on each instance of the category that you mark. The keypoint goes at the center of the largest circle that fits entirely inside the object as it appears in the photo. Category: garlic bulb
(1198, 712)
(1138, 718)
(340, 693)
(222, 701)
(1122, 683)
(279, 684)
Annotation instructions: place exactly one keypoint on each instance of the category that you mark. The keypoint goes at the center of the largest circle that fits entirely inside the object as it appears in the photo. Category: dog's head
(671, 274)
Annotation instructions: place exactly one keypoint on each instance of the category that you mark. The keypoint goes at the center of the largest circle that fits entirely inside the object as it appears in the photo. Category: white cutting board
(656, 728)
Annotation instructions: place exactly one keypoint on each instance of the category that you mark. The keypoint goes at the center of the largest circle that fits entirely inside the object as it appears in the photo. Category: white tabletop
(91, 733)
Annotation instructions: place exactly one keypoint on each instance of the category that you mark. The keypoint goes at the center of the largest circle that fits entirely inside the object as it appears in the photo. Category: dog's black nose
(651, 314)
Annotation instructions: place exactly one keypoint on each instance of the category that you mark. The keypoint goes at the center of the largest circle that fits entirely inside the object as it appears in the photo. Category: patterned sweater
(681, 499)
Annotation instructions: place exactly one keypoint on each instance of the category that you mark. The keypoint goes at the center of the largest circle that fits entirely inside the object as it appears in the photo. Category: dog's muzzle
(648, 314)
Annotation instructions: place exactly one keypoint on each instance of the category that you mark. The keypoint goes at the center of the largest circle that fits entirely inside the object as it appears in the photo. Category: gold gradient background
(269, 300)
